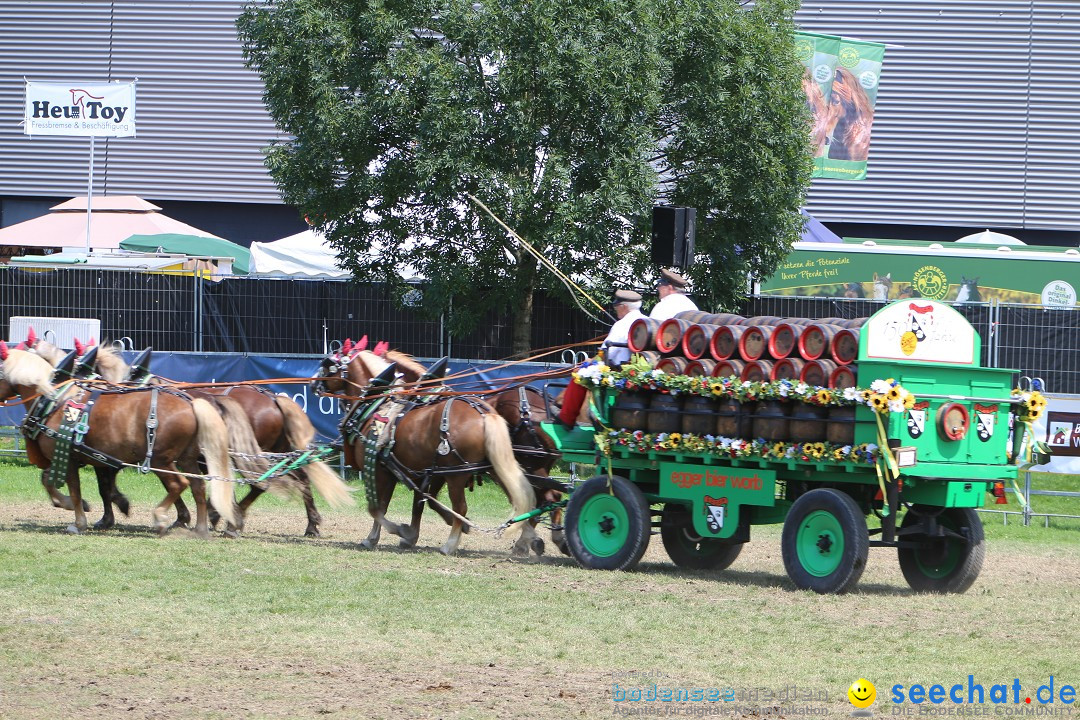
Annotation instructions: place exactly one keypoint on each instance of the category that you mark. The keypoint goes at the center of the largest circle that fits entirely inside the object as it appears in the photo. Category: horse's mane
(372, 363)
(852, 129)
(406, 363)
(111, 365)
(26, 368)
(50, 352)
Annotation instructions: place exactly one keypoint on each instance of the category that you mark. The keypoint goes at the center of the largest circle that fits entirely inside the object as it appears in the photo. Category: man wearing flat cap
(673, 300)
(627, 310)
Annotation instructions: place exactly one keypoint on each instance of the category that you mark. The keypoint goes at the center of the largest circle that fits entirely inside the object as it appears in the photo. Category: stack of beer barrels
(817, 352)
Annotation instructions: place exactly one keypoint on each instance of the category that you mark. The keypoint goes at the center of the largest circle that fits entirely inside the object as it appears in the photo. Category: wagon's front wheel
(687, 549)
(607, 524)
(825, 542)
(943, 552)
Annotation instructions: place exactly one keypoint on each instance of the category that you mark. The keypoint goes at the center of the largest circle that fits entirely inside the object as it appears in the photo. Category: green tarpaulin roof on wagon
(193, 245)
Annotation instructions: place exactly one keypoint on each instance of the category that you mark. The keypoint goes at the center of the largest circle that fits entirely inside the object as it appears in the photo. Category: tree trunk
(522, 311)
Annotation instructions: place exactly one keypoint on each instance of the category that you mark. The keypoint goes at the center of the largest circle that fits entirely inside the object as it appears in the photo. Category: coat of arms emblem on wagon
(984, 421)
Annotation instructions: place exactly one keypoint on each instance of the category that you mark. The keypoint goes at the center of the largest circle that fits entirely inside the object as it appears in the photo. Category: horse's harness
(535, 451)
(377, 432)
(75, 424)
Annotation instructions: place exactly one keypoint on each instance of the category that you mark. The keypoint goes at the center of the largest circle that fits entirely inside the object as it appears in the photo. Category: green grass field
(126, 624)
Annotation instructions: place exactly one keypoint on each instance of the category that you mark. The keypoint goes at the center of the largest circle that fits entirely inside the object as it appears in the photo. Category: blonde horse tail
(247, 455)
(299, 432)
(212, 437)
(500, 453)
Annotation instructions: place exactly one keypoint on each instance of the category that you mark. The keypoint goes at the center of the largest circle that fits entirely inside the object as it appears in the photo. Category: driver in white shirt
(673, 299)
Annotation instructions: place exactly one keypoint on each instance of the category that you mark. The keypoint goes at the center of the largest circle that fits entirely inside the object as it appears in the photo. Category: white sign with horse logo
(80, 109)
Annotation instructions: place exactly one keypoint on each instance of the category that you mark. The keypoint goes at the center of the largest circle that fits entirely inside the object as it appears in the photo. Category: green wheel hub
(820, 543)
(604, 525)
(943, 557)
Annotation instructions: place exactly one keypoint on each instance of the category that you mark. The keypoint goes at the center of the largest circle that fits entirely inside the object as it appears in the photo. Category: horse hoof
(102, 525)
(537, 546)
(446, 551)
(72, 530)
(564, 547)
(122, 505)
(85, 506)
(312, 532)
(408, 536)
(367, 544)
(201, 534)
(465, 527)
(406, 544)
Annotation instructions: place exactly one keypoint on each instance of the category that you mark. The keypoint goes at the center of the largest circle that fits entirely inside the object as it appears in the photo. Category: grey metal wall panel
(200, 119)
(975, 117)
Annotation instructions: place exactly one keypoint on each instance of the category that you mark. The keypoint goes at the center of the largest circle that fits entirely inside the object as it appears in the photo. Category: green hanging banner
(851, 109)
(818, 54)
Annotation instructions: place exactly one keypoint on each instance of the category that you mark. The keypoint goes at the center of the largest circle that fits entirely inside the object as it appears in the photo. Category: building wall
(976, 117)
(974, 126)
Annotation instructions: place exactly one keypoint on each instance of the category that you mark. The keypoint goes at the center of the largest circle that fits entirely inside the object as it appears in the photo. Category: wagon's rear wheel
(689, 550)
(949, 560)
(607, 528)
(825, 542)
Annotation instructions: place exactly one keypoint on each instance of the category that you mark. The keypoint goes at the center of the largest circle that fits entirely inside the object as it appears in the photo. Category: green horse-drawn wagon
(915, 446)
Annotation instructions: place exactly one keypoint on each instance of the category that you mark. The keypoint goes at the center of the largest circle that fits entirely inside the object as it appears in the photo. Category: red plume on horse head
(381, 347)
(3, 350)
(347, 347)
(79, 347)
(20, 346)
(31, 337)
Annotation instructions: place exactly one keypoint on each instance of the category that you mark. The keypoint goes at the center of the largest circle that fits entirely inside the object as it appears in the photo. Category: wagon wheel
(607, 529)
(946, 563)
(825, 542)
(689, 550)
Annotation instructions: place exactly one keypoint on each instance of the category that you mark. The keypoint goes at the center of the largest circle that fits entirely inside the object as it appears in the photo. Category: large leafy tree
(570, 119)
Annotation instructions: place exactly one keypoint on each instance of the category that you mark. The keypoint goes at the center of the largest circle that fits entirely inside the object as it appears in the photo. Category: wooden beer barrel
(699, 415)
(756, 371)
(787, 369)
(651, 356)
(669, 335)
(844, 346)
(754, 343)
(807, 422)
(841, 426)
(783, 339)
(727, 368)
(814, 373)
(762, 320)
(629, 411)
(696, 339)
(664, 413)
(672, 365)
(724, 343)
(694, 316)
(734, 419)
(642, 334)
(815, 341)
(842, 377)
(707, 366)
(771, 421)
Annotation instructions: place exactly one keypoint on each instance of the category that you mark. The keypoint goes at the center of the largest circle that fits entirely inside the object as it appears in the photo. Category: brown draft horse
(276, 424)
(258, 421)
(474, 436)
(187, 430)
(534, 449)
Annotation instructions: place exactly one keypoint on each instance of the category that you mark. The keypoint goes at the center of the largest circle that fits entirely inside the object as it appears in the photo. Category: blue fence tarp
(325, 413)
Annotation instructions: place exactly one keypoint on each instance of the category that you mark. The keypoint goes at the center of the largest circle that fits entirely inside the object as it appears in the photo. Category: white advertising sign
(922, 330)
(80, 109)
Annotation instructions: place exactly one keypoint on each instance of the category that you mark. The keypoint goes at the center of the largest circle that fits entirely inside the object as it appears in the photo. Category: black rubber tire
(851, 523)
(686, 549)
(638, 529)
(935, 568)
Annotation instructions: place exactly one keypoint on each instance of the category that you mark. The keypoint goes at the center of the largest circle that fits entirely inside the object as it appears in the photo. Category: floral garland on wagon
(883, 396)
(725, 447)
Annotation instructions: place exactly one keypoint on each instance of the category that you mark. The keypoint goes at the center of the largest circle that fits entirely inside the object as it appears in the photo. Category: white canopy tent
(305, 253)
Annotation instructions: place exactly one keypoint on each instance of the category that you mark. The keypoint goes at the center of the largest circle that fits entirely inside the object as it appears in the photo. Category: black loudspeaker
(673, 230)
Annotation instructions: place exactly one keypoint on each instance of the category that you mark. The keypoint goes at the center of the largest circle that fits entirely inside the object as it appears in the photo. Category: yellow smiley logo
(862, 693)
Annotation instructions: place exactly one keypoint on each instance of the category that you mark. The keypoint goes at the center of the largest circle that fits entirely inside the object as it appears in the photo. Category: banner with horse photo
(851, 109)
(818, 54)
(1048, 277)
